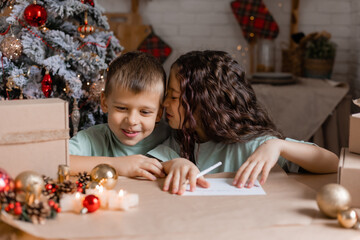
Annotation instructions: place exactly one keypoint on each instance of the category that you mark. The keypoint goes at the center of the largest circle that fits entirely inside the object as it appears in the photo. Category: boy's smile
(132, 116)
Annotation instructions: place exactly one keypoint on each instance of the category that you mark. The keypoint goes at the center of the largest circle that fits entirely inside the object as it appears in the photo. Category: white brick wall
(209, 24)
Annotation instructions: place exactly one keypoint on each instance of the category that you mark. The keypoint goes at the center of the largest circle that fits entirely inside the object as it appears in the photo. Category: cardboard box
(34, 135)
(354, 133)
(349, 174)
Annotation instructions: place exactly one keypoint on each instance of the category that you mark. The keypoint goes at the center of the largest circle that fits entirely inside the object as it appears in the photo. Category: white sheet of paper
(224, 187)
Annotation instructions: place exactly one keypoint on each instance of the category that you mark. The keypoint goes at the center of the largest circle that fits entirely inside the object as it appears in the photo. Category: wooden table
(288, 211)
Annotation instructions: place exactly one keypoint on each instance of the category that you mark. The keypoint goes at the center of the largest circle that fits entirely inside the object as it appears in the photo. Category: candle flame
(77, 195)
(121, 193)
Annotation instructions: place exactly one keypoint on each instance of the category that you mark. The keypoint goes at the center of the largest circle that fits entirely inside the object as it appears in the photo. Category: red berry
(11, 205)
(7, 209)
(56, 206)
(51, 203)
(17, 204)
(58, 210)
(17, 210)
(80, 185)
(48, 186)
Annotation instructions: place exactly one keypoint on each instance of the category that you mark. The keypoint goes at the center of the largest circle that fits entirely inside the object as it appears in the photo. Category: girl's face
(174, 111)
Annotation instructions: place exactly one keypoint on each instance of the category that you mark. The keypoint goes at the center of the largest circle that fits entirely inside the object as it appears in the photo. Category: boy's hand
(262, 160)
(140, 166)
(179, 170)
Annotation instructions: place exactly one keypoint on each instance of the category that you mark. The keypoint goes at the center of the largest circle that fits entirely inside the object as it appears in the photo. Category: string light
(252, 18)
(239, 47)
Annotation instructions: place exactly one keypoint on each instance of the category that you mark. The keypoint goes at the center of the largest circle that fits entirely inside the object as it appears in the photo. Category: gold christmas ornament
(11, 47)
(28, 187)
(105, 175)
(92, 185)
(347, 218)
(333, 198)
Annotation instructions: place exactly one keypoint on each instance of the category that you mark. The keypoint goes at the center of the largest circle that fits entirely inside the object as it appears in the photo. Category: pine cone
(37, 211)
(84, 178)
(47, 179)
(7, 197)
(67, 187)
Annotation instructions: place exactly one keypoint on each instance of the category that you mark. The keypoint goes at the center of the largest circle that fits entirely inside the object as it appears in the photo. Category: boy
(134, 90)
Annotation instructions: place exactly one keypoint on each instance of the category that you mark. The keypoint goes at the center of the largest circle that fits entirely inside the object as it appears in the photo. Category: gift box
(34, 136)
(354, 134)
(349, 174)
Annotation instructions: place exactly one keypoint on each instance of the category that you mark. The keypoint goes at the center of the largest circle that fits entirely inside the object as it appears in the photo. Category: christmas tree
(57, 48)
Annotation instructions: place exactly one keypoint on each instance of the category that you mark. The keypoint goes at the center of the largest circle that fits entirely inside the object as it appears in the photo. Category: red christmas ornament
(90, 2)
(92, 203)
(6, 182)
(35, 15)
(46, 85)
(85, 29)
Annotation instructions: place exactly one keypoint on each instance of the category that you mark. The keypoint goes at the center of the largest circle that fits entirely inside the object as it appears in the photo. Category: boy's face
(132, 117)
(174, 111)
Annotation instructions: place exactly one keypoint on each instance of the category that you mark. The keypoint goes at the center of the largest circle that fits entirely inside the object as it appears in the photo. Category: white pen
(202, 173)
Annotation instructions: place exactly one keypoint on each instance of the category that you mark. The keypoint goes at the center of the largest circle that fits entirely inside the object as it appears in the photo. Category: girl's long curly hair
(216, 96)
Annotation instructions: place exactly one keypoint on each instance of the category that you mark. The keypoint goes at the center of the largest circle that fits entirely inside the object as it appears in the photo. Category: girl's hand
(139, 166)
(262, 160)
(179, 170)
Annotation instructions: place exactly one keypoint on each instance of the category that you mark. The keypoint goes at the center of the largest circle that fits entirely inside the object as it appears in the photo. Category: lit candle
(71, 202)
(103, 196)
(122, 200)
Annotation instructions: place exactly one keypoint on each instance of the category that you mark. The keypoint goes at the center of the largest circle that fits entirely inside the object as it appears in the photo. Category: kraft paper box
(349, 174)
(354, 134)
(34, 136)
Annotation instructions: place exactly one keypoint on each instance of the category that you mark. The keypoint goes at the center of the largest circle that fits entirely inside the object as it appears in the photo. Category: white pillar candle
(122, 200)
(103, 196)
(113, 200)
(78, 202)
(71, 202)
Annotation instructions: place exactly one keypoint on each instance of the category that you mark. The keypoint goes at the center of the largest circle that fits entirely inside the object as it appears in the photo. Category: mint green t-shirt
(99, 140)
(232, 155)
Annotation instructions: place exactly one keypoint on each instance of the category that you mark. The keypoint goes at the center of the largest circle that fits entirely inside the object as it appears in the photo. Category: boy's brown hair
(136, 71)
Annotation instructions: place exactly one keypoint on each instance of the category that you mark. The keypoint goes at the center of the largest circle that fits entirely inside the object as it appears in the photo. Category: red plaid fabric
(263, 24)
(155, 46)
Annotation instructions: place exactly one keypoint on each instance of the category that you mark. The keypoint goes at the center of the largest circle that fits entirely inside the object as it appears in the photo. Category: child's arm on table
(310, 157)
(178, 170)
(129, 166)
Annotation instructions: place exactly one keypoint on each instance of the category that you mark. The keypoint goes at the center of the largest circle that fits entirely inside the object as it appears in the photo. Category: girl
(217, 117)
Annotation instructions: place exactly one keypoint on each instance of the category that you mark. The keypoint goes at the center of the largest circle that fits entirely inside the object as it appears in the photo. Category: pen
(202, 173)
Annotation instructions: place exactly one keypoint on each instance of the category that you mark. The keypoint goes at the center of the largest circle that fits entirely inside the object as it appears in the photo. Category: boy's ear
(104, 106)
(160, 113)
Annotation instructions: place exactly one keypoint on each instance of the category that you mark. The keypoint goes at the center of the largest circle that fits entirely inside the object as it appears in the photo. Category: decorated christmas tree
(56, 48)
